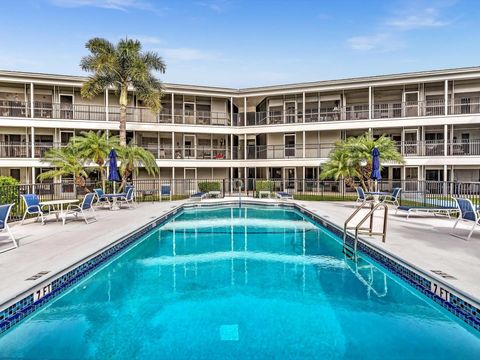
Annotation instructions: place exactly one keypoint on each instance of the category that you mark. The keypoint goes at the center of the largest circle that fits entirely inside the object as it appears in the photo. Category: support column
(31, 101)
(245, 111)
(173, 180)
(33, 175)
(106, 104)
(173, 145)
(173, 108)
(231, 111)
(32, 142)
(446, 98)
(303, 110)
(303, 145)
(231, 146)
(370, 100)
(445, 140)
(245, 147)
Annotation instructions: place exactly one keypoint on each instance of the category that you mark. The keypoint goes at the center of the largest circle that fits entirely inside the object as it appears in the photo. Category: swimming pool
(255, 282)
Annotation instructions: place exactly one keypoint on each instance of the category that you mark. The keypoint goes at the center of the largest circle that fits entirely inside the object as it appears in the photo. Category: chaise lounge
(283, 195)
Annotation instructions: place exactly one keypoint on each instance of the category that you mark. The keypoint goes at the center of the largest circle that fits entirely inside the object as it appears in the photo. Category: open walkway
(421, 241)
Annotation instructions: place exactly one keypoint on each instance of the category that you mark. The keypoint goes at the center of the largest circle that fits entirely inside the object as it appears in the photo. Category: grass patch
(325, 197)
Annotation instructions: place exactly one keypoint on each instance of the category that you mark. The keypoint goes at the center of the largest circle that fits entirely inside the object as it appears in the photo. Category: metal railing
(433, 194)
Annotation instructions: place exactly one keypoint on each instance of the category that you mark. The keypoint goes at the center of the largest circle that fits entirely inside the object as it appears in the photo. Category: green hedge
(207, 186)
(264, 185)
(8, 190)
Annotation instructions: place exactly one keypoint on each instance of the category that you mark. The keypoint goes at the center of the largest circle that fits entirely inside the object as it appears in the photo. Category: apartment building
(278, 132)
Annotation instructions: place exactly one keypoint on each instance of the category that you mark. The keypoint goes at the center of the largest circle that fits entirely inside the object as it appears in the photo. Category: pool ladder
(350, 250)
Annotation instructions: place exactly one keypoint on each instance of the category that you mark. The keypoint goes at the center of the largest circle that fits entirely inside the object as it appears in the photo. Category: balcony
(288, 152)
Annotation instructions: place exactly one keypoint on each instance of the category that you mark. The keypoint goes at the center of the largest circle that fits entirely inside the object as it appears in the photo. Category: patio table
(114, 197)
(376, 195)
(57, 206)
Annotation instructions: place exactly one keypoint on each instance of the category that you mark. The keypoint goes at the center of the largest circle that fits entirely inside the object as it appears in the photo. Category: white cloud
(368, 42)
(147, 39)
(427, 18)
(122, 5)
(187, 54)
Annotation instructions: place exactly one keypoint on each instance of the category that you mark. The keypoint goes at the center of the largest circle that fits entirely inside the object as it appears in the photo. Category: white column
(231, 146)
(106, 104)
(173, 145)
(32, 141)
(245, 111)
(245, 146)
(303, 145)
(370, 98)
(446, 98)
(31, 101)
(173, 180)
(173, 108)
(303, 110)
(33, 175)
(231, 111)
(445, 139)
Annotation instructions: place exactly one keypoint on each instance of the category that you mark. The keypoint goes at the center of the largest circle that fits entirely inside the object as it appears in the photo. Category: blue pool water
(248, 283)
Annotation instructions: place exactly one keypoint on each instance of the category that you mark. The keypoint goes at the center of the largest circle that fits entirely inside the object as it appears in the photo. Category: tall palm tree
(122, 66)
(95, 146)
(133, 156)
(66, 162)
(347, 158)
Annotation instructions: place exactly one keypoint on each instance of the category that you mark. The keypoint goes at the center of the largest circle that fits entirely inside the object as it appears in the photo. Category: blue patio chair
(166, 190)
(361, 196)
(32, 207)
(4, 213)
(101, 198)
(468, 213)
(86, 205)
(128, 198)
(393, 197)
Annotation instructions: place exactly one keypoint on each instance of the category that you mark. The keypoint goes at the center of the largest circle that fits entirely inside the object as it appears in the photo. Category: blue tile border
(13, 314)
(18, 311)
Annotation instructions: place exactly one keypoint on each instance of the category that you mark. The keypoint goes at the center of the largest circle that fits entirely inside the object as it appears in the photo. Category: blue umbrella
(376, 166)
(113, 173)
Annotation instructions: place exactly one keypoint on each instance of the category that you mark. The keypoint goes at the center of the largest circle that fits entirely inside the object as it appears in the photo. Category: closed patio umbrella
(376, 166)
(113, 169)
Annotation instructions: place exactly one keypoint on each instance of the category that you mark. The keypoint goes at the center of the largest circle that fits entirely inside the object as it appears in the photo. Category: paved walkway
(53, 247)
(423, 242)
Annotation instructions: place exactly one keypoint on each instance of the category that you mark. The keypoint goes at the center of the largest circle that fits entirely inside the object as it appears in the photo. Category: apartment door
(189, 150)
(396, 177)
(290, 178)
(289, 143)
(189, 113)
(15, 173)
(411, 178)
(66, 106)
(251, 149)
(290, 111)
(411, 103)
(410, 142)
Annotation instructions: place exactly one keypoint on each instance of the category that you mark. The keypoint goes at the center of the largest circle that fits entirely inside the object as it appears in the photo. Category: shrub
(8, 190)
(207, 186)
(264, 185)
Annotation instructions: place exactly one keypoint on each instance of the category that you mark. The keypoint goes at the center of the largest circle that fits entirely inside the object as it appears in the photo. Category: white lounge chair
(86, 205)
(468, 214)
(283, 195)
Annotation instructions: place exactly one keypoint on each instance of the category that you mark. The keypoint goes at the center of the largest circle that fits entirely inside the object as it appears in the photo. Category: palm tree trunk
(80, 181)
(123, 115)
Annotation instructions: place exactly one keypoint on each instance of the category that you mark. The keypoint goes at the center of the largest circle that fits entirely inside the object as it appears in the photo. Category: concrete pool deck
(423, 242)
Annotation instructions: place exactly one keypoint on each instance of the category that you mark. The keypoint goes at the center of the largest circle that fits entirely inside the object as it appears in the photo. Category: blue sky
(240, 43)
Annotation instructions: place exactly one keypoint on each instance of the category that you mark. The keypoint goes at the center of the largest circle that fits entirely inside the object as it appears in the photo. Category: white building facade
(274, 132)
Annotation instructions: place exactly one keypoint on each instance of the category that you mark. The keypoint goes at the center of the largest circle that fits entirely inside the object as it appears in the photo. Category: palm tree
(96, 147)
(131, 157)
(345, 160)
(122, 66)
(66, 162)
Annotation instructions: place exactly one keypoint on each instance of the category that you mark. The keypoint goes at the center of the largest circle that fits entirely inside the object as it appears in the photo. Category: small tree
(133, 156)
(66, 162)
(345, 160)
(8, 190)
